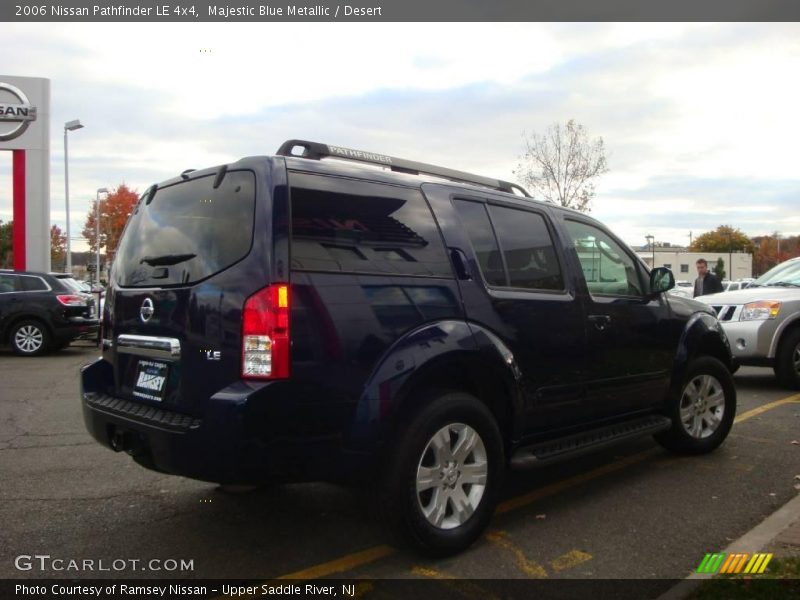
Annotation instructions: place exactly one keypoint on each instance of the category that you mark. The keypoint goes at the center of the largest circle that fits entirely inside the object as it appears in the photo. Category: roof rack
(316, 151)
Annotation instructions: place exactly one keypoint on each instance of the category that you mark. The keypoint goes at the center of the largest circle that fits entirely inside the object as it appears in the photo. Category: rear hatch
(177, 288)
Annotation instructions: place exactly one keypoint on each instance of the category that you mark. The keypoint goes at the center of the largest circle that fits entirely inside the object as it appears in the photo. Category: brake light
(71, 300)
(265, 334)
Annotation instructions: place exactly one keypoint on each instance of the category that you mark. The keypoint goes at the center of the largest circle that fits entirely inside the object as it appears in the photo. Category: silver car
(762, 321)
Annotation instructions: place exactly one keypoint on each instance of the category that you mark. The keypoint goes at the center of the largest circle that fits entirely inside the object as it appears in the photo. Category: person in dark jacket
(706, 282)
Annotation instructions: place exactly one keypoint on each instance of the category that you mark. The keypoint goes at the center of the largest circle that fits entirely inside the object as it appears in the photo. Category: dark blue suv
(334, 314)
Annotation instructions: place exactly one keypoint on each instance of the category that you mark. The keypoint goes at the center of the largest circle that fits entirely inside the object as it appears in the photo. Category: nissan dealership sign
(16, 112)
(25, 134)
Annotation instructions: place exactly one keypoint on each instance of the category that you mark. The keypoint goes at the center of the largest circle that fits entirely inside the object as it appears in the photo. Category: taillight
(265, 334)
(71, 300)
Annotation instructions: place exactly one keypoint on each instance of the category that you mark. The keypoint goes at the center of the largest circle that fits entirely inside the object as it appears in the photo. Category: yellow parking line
(345, 563)
(554, 488)
(530, 567)
(357, 559)
(765, 407)
(464, 588)
(569, 560)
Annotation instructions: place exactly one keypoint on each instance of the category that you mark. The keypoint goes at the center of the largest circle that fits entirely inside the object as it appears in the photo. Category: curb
(753, 541)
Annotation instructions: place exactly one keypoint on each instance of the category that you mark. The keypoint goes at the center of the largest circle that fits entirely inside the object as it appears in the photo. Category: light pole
(68, 126)
(651, 240)
(97, 232)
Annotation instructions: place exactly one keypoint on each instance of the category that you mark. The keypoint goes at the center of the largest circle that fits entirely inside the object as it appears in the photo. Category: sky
(701, 122)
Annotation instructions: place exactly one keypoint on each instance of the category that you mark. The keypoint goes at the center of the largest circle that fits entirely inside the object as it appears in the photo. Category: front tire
(702, 412)
(441, 485)
(787, 366)
(30, 338)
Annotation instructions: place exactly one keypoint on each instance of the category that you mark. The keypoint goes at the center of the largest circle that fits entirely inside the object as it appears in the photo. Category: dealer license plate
(151, 380)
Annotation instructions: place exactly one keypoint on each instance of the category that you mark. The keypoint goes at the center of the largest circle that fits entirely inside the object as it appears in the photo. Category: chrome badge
(147, 310)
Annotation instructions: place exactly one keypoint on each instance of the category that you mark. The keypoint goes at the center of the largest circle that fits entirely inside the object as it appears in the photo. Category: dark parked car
(417, 328)
(43, 311)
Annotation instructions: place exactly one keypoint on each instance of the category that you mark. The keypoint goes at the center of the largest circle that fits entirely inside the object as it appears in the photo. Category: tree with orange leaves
(114, 212)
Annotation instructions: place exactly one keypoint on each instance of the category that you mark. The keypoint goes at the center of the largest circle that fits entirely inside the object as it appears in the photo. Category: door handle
(600, 321)
(459, 260)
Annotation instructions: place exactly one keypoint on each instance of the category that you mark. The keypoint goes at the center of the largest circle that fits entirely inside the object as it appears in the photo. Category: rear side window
(363, 227)
(186, 232)
(9, 283)
(33, 284)
(484, 244)
(514, 247)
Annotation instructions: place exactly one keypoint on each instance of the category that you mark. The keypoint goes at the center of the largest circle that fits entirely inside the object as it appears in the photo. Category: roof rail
(316, 151)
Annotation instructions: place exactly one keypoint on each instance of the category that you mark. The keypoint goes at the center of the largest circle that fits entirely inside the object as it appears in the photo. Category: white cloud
(685, 109)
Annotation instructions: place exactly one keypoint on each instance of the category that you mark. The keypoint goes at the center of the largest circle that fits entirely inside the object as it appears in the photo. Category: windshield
(188, 231)
(785, 274)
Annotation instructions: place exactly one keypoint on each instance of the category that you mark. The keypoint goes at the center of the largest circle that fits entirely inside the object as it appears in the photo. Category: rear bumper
(237, 440)
(75, 327)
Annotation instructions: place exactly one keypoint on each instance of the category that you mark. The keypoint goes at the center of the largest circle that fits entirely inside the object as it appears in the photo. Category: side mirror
(661, 280)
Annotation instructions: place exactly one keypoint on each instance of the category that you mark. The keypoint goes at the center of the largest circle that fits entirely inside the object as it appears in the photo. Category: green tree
(719, 269)
(58, 248)
(723, 239)
(562, 164)
(6, 245)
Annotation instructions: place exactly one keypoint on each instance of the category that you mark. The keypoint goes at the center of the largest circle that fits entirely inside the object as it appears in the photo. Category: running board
(569, 446)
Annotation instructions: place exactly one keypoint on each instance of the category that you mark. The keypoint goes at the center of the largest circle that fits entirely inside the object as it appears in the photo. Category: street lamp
(68, 126)
(97, 232)
(651, 241)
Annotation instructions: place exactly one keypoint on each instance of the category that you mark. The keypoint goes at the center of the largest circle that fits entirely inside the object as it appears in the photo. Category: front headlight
(760, 311)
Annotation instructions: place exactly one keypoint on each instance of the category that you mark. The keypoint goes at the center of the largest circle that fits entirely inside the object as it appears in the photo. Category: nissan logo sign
(147, 311)
(19, 114)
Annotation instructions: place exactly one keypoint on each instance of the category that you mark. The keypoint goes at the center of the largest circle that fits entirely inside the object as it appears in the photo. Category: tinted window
(527, 248)
(607, 268)
(9, 283)
(479, 230)
(187, 231)
(362, 227)
(33, 284)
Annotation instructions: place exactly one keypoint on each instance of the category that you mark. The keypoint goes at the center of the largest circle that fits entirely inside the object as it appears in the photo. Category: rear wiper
(167, 259)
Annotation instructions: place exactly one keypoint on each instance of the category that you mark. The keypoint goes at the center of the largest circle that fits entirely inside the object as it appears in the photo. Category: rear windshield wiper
(167, 259)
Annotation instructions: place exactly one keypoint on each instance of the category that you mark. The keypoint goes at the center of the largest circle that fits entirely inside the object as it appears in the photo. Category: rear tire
(440, 487)
(787, 363)
(30, 338)
(702, 412)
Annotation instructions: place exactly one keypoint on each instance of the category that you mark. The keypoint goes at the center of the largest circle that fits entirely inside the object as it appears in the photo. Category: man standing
(706, 282)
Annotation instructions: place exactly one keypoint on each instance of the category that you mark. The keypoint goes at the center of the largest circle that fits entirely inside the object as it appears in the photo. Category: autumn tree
(562, 164)
(58, 247)
(723, 239)
(6, 245)
(114, 212)
(771, 250)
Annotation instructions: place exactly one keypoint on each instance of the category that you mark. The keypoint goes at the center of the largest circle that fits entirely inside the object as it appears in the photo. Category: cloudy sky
(701, 121)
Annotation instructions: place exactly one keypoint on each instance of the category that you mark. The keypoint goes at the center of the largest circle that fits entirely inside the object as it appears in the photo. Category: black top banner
(400, 10)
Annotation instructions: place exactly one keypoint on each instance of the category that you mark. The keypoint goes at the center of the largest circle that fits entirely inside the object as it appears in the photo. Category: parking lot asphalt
(634, 511)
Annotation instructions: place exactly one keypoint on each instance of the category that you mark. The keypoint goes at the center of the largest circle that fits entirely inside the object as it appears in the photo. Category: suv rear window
(188, 231)
(362, 227)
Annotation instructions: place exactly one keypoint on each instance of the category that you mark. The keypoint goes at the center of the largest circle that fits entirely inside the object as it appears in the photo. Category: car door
(629, 355)
(517, 288)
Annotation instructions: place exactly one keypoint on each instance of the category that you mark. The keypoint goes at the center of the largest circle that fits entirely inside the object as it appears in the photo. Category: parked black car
(43, 311)
(414, 327)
